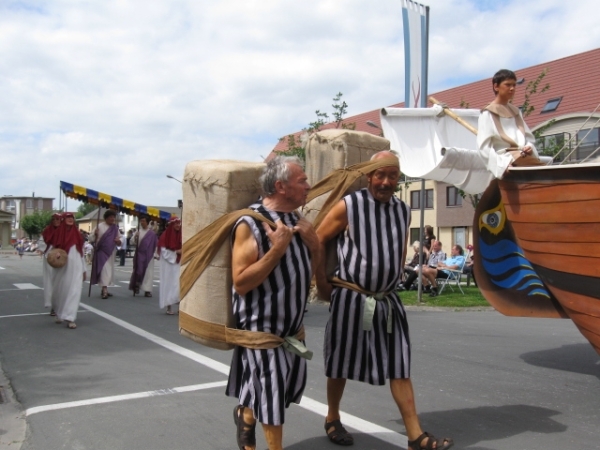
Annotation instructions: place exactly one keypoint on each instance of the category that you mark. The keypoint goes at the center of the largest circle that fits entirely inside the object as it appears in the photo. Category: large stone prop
(211, 189)
(329, 150)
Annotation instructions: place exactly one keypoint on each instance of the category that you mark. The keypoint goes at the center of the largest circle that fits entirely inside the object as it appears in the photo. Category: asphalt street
(126, 379)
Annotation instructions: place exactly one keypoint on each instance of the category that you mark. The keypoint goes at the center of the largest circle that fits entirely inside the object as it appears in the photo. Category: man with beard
(366, 337)
(143, 261)
(107, 238)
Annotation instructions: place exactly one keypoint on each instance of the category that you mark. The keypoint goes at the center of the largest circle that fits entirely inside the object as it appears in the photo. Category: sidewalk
(13, 426)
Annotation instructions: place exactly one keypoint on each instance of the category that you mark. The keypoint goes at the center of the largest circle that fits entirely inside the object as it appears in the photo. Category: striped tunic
(370, 255)
(267, 381)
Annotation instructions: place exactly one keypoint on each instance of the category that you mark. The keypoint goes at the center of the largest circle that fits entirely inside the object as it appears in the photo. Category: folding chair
(454, 277)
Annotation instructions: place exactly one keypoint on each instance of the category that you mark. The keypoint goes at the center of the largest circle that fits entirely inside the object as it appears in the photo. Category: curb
(13, 426)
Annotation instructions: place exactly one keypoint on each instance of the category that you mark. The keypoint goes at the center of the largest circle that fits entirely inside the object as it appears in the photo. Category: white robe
(68, 282)
(492, 147)
(107, 276)
(48, 274)
(146, 285)
(169, 278)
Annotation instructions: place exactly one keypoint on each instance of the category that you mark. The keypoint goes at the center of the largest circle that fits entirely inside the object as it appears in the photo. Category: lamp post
(173, 178)
(373, 124)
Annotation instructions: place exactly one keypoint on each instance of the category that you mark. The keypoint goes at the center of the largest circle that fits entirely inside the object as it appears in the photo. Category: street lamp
(173, 178)
(373, 124)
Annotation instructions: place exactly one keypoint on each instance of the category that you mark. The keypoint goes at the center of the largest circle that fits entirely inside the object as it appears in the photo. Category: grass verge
(456, 299)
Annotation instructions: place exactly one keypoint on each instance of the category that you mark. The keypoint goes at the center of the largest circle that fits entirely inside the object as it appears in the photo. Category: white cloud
(114, 95)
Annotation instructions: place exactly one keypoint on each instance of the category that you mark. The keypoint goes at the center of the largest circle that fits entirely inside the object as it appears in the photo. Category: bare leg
(402, 391)
(273, 436)
(335, 391)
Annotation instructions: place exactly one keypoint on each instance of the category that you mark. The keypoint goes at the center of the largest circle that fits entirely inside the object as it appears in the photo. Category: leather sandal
(433, 443)
(246, 433)
(338, 435)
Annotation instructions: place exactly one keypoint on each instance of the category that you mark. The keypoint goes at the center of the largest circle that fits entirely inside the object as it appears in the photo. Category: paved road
(125, 379)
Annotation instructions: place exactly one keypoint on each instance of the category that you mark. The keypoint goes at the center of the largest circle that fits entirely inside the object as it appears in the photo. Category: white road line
(211, 363)
(314, 406)
(34, 314)
(120, 398)
(26, 286)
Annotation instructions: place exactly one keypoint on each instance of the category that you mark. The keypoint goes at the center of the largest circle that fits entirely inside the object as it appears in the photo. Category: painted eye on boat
(492, 220)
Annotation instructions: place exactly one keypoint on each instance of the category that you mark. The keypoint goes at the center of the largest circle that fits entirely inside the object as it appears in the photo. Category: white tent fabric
(436, 147)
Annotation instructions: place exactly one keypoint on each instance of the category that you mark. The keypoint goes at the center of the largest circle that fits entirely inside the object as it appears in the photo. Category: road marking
(35, 314)
(120, 398)
(358, 424)
(26, 286)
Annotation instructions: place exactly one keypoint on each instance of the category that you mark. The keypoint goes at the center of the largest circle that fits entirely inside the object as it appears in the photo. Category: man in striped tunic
(366, 338)
(271, 272)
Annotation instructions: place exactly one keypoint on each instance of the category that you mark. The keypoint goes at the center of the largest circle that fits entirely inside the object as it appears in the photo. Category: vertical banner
(415, 19)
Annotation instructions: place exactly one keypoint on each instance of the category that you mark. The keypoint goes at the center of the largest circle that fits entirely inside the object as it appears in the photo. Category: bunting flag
(415, 19)
(109, 201)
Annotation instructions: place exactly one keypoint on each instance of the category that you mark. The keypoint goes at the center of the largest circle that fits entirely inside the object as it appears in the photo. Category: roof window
(551, 105)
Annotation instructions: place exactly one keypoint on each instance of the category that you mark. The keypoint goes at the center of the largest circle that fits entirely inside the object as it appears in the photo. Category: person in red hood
(68, 279)
(47, 269)
(169, 253)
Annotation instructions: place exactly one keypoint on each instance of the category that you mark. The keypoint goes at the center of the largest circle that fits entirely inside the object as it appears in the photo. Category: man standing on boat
(366, 337)
(503, 137)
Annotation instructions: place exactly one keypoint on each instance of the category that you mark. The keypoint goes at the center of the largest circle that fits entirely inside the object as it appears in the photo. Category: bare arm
(248, 272)
(334, 223)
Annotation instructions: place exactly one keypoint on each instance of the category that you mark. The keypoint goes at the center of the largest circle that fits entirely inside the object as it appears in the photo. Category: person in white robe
(142, 275)
(69, 278)
(106, 237)
(169, 254)
(47, 270)
(503, 137)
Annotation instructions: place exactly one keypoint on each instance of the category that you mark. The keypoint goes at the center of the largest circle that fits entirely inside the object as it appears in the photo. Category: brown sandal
(440, 444)
(148, 294)
(246, 436)
(338, 435)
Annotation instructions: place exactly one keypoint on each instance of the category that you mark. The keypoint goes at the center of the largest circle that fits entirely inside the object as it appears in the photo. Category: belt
(370, 302)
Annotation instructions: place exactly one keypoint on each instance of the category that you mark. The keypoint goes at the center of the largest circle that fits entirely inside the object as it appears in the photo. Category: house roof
(575, 79)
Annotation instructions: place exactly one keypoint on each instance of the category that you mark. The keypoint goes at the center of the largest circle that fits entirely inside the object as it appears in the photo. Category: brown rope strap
(340, 180)
(201, 248)
(257, 340)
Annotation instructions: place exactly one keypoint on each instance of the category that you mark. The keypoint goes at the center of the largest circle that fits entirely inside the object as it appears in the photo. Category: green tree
(84, 209)
(295, 146)
(33, 224)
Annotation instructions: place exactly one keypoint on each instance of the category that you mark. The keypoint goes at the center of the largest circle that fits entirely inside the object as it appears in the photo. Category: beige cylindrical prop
(211, 189)
(329, 150)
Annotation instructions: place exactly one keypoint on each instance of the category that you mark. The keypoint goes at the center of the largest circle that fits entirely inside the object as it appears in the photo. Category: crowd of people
(62, 280)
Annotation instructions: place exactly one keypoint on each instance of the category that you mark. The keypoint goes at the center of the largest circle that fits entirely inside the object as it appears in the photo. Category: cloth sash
(103, 251)
(370, 303)
(257, 340)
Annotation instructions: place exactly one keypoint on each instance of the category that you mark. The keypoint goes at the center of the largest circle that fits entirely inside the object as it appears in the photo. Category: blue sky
(114, 95)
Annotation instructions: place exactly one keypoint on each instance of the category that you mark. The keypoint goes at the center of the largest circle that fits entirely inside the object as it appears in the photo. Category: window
(453, 197)
(29, 203)
(459, 235)
(40, 204)
(587, 140)
(415, 199)
(551, 105)
(10, 205)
